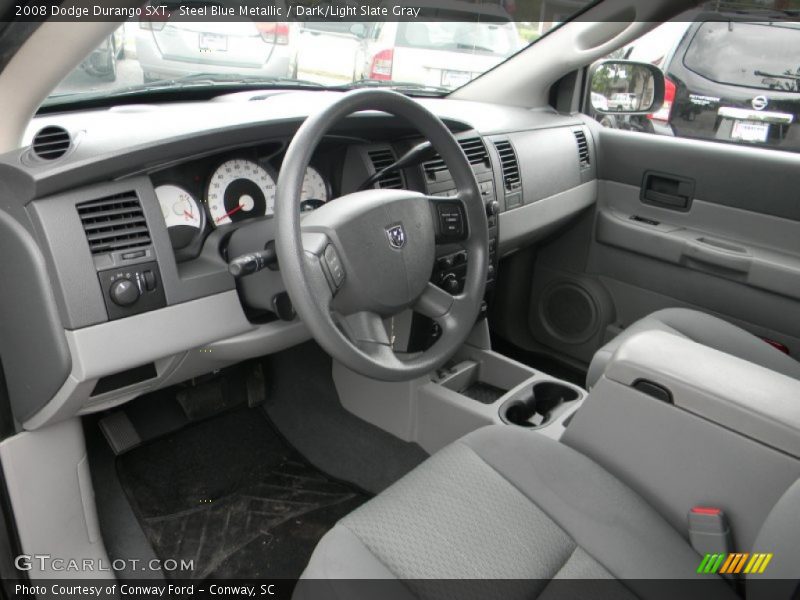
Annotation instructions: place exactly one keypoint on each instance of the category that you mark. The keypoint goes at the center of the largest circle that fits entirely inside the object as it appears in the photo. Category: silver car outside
(172, 48)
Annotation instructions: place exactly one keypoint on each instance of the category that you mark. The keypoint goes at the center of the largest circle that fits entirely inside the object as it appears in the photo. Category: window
(756, 55)
(726, 79)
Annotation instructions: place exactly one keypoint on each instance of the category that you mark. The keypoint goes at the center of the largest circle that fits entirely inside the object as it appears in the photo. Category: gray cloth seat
(704, 329)
(508, 504)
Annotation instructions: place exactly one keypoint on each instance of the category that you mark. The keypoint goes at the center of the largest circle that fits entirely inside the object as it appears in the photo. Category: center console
(478, 387)
(686, 425)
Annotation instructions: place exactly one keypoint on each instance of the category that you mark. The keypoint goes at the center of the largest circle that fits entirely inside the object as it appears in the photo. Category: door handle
(717, 257)
(667, 191)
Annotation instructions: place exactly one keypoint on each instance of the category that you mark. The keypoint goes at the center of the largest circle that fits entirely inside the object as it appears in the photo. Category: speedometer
(240, 189)
(314, 186)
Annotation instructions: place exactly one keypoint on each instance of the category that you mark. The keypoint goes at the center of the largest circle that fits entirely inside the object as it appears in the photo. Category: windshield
(431, 54)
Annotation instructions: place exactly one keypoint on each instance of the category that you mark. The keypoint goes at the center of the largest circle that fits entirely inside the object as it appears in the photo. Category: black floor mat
(229, 494)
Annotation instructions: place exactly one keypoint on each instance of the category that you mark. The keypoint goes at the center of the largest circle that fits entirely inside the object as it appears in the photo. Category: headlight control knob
(124, 292)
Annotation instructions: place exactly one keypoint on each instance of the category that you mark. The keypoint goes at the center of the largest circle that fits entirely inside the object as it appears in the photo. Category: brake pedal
(205, 400)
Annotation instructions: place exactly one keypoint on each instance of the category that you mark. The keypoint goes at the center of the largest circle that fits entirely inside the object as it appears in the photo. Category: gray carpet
(303, 404)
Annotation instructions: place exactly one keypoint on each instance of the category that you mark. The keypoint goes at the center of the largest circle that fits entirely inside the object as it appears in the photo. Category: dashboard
(116, 253)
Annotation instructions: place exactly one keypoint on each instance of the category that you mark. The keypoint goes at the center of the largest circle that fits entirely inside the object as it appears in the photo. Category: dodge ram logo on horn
(396, 235)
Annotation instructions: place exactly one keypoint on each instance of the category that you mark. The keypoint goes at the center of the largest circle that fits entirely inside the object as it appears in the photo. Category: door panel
(734, 251)
(752, 179)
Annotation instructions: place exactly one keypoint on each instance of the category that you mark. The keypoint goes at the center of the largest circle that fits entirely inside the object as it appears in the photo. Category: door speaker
(569, 312)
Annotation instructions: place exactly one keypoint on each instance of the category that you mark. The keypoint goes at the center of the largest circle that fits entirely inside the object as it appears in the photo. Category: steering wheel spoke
(366, 330)
(365, 327)
(434, 303)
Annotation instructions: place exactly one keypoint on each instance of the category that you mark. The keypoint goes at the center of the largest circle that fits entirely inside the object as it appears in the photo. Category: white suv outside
(448, 54)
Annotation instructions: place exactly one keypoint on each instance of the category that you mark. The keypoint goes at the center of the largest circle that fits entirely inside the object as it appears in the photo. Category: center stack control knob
(450, 284)
(124, 292)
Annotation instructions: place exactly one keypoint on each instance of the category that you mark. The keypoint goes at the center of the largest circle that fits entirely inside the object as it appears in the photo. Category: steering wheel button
(451, 219)
(334, 265)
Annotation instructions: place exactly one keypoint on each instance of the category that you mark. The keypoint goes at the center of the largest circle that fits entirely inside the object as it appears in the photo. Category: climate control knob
(124, 292)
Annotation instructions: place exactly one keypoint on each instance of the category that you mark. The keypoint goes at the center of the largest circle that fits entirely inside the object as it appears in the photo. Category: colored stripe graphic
(704, 563)
(740, 562)
(735, 563)
(714, 566)
(767, 558)
(727, 565)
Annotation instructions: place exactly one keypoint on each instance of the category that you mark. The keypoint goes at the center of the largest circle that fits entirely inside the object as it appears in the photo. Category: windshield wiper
(396, 85)
(195, 80)
(230, 78)
(777, 75)
(474, 47)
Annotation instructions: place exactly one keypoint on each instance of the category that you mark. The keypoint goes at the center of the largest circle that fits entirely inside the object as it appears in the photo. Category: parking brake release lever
(247, 264)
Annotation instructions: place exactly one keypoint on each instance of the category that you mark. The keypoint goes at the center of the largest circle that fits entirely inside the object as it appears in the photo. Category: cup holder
(536, 407)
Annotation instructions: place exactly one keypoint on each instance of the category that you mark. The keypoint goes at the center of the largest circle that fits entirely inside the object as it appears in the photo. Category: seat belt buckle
(709, 531)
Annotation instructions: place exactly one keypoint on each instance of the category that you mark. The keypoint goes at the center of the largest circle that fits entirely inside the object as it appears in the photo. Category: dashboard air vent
(583, 148)
(381, 159)
(472, 147)
(51, 142)
(114, 223)
(508, 160)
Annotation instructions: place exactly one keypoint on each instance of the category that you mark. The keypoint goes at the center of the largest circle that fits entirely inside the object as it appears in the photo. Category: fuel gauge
(182, 214)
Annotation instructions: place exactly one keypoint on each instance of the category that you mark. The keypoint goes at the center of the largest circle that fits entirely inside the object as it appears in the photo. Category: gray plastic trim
(264, 339)
(531, 223)
(640, 284)
(755, 266)
(754, 179)
(33, 348)
(428, 411)
(739, 395)
(118, 345)
(50, 488)
(74, 270)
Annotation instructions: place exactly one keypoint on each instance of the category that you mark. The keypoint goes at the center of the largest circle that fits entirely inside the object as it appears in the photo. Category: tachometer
(240, 189)
(182, 214)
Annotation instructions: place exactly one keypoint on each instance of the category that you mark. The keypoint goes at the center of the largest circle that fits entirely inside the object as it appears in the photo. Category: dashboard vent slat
(472, 147)
(51, 142)
(381, 159)
(583, 148)
(114, 223)
(510, 165)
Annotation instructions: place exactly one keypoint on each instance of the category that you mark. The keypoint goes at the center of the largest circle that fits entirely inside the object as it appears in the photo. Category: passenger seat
(703, 329)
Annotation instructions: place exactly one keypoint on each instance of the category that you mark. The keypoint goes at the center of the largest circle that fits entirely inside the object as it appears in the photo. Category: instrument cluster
(212, 193)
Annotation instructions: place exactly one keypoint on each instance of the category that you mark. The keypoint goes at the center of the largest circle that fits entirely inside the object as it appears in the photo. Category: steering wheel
(369, 255)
